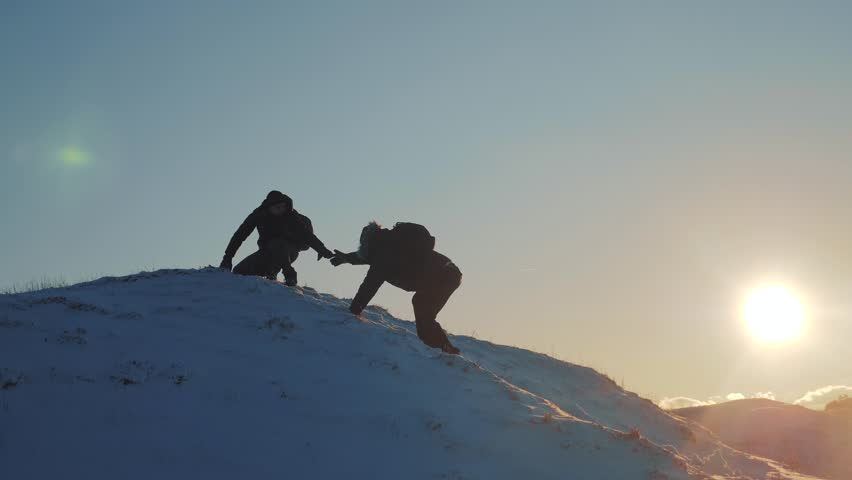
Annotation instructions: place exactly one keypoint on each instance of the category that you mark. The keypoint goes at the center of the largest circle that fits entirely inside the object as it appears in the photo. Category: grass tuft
(44, 283)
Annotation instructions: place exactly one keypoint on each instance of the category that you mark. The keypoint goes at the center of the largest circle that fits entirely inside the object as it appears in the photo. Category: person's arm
(367, 291)
(351, 258)
(317, 245)
(239, 237)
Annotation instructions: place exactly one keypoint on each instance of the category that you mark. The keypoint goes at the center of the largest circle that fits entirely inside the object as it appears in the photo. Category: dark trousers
(273, 257)
(428, 301)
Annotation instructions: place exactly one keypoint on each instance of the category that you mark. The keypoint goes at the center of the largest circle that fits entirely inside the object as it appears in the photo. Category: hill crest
(201, 372)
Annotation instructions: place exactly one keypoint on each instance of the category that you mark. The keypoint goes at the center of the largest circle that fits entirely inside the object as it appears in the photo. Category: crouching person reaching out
(282, 234)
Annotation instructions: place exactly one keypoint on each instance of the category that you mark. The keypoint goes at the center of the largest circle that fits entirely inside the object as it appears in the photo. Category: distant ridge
(814, 442)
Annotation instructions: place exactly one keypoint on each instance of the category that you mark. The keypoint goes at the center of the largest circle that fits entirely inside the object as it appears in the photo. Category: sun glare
(774, 314)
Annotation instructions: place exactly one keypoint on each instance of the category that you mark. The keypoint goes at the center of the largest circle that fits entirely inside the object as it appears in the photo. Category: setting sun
(774, 314)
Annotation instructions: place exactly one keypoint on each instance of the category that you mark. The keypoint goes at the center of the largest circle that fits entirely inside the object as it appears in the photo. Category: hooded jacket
(291, 226)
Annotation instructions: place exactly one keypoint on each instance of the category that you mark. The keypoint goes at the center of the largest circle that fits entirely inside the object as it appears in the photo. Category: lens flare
(73, 156)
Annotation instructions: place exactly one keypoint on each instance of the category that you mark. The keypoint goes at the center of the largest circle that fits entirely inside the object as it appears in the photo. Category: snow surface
(205, 374)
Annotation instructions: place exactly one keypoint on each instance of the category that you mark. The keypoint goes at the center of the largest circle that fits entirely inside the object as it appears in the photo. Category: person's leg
(258, 263)
(428, 302)
(290, 276)
(425, 313)
(283, 255)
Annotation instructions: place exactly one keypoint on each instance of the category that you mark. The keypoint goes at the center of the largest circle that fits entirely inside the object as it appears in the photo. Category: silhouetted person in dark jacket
(405, 257)
(283, 233)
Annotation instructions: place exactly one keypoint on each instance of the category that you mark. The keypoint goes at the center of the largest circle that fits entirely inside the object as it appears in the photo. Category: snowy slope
(204, 374)
(815, 442)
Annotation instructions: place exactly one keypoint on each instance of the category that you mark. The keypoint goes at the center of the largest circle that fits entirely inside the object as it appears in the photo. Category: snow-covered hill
(204, 374)
(815, 442)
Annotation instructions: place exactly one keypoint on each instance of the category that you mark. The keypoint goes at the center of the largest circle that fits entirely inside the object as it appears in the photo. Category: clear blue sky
(611, 177)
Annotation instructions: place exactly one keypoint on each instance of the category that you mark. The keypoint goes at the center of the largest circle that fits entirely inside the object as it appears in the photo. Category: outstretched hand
(325, 253)
(226, 264)
(339, 258)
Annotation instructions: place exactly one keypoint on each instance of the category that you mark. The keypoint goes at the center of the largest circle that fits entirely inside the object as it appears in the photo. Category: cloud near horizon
(671, 403)
(812, 396)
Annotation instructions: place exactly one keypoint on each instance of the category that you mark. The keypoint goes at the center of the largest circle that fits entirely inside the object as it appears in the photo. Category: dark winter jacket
(292, 226)
(390, 261)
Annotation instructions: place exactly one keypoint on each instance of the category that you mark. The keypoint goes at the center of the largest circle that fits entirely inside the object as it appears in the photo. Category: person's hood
(275, 197)
(368, 233)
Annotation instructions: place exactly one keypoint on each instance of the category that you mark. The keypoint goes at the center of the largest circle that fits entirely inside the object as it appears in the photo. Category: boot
(272, 275)
(450, 348)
